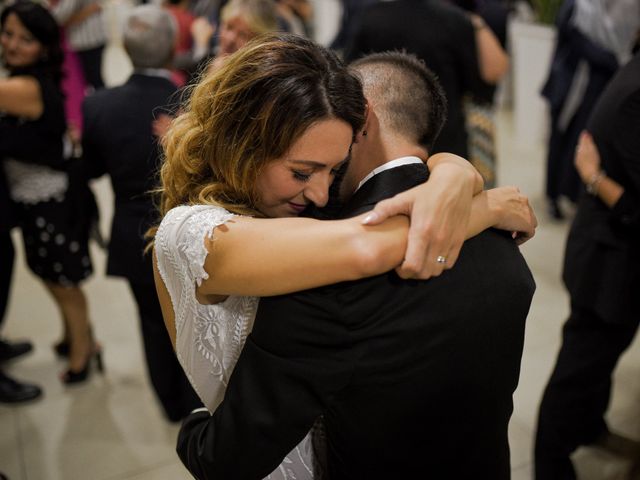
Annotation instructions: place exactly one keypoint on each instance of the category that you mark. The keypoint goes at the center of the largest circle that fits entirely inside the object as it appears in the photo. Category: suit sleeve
(292, 365)
(94, 162)
(627, 146)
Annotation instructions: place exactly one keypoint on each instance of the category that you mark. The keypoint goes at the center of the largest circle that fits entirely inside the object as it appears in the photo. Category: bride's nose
(317, 190)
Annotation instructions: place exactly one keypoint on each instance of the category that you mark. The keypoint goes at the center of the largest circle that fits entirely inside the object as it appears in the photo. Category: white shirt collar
(398, 162)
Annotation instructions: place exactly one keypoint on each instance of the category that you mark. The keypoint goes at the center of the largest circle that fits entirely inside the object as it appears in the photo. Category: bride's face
(303, 175)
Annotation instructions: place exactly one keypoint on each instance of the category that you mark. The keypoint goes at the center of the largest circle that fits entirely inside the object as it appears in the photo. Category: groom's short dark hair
(408, 97)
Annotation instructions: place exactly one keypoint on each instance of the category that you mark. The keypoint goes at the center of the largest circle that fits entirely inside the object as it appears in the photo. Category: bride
(260, 140)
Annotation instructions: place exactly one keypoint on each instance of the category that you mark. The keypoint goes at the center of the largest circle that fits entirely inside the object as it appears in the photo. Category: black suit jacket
(602, 261)
(439, 33)
(414, 378)
(7, 220)
(118, 140)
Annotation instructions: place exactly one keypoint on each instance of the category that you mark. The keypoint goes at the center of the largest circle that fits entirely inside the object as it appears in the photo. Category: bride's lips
(296, 207)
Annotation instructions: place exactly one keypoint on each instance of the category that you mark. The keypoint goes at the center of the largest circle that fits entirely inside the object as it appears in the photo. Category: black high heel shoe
(70, 377)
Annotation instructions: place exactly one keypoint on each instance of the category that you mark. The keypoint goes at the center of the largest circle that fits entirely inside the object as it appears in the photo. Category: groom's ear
(364, 131)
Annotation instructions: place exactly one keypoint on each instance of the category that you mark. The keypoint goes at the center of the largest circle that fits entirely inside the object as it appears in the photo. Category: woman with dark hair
(50, 196)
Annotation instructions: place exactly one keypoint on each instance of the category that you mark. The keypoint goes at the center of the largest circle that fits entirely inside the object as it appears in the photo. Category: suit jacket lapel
(385, 185)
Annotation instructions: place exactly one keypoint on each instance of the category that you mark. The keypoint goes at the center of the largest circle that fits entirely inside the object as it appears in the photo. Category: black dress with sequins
(50, 193)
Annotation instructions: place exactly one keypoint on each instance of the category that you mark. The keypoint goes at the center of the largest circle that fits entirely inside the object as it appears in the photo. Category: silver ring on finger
(441, 259)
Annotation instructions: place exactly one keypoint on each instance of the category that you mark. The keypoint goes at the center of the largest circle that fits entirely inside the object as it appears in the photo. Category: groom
(414, 379)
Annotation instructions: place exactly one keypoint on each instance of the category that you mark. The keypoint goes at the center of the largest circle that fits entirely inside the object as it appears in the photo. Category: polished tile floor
(111, 427)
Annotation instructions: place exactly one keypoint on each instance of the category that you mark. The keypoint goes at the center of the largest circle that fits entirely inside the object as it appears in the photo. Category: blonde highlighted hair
(260, 15)
(248, 113)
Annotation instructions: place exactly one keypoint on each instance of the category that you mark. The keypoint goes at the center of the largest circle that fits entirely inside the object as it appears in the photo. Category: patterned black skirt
(56, 240)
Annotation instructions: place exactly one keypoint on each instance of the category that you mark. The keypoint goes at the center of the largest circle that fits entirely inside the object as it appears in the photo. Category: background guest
(84, 24)
(118, 140)
(351, 10)
(53, 202)
(240, 21)
(459, 49)
(184, 19)
(296, 15)
(594, 38)
(602, 275)
(11, 390)
(74, 87)
(480, 106)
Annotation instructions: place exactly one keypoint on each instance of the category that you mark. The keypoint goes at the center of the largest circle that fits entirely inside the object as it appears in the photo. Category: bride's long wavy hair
(248, 113)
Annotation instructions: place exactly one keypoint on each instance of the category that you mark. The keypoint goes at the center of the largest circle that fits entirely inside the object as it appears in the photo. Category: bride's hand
(439, 210)
(513, 212)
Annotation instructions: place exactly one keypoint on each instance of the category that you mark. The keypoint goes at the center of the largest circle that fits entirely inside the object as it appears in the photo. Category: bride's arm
(260, 257)
(504, 208)
(439, 211)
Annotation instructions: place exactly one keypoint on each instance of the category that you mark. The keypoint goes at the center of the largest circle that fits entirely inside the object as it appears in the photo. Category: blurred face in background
(19, 47)
(235, 32)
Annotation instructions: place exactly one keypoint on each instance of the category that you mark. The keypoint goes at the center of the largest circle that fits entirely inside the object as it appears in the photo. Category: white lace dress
(209, 338)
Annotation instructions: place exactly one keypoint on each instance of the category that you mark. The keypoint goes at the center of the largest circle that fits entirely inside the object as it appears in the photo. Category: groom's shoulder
(499, 260)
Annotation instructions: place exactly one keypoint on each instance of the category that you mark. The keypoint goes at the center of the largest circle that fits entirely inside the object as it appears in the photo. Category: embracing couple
(318, 347)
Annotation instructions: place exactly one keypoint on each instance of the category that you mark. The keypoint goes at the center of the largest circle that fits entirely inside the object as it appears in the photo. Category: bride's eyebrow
(316, 164)
(309, 163)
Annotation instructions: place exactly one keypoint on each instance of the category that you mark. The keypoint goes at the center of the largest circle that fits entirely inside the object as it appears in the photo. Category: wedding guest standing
(458, 48)
(85, 28)
(119, 140)
(11, 390)
(240, 21)
(53, 202)
(602, 274)
(594, 38)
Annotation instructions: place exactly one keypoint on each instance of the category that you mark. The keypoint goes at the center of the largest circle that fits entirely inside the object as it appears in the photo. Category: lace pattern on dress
(209, 338)
(31, 183)
(298, 464)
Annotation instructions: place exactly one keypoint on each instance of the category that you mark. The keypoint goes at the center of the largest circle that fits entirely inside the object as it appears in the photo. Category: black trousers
(169, 381)
(7, 254)
(91, 61)
(577, 395)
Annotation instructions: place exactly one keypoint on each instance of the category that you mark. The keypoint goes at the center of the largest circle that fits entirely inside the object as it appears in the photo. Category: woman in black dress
(50, 198)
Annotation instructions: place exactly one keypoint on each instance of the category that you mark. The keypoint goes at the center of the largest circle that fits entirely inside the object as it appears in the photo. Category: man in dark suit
(414, 378)
(458, 48)
(11, 390)
(118, 139)
(602, 274)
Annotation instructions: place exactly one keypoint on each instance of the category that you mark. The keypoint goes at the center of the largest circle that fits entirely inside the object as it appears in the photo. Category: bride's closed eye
(305, 177)
(301, 176)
